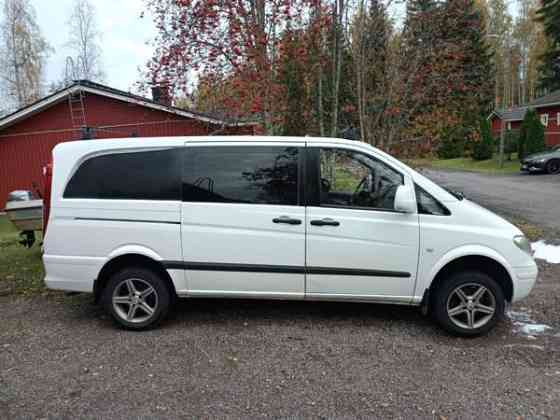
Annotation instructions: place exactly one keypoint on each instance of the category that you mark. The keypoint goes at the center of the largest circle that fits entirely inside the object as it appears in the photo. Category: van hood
(489, 218)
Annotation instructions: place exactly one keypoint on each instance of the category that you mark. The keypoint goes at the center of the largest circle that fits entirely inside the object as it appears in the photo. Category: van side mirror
(405, 199)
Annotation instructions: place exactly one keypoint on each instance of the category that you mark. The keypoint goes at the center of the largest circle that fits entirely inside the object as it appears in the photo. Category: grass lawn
(21, 269)
(489, 166)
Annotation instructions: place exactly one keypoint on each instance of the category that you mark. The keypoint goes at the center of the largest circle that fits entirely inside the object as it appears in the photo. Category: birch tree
(499, 39)
(84, 40)
(24, 51)
(369, 38)
(528, 36)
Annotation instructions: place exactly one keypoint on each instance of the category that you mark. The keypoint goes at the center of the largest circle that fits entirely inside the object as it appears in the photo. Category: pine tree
(549, 15)
(422, 82)
(421, 35)
(464, 67)
(531, 135)
(419, 20)
(473, 84)
(291, 76)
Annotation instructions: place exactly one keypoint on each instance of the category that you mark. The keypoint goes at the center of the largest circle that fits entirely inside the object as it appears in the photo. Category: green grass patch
(531, 231)
(21, 269)
(490, 166)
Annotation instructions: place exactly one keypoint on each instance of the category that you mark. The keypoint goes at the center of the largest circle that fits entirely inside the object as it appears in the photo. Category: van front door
(243, 220)
(358, 247)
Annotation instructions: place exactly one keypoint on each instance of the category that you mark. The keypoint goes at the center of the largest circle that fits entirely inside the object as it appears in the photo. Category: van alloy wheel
(135, 300)
(471, 306)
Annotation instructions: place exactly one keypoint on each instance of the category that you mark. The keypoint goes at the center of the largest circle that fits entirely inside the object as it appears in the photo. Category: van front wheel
(136, 298)
(468, 303)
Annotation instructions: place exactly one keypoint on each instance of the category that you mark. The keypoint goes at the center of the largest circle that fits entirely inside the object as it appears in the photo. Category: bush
(452, 145)
(531, 135)
(511, 143)
(482, 150)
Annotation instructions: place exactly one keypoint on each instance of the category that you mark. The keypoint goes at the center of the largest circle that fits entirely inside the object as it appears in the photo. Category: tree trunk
(359, 69)
(320, 110)
(337, 21)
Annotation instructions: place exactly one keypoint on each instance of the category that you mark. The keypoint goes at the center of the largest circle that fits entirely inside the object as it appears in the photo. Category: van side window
(241, 174)
(353, 179)
(428, 204)
(146, 175)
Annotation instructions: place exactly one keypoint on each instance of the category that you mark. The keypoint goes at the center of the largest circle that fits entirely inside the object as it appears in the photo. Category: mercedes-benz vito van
(141, 222)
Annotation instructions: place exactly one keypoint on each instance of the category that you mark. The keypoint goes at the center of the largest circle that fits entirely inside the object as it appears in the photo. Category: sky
(124, 37)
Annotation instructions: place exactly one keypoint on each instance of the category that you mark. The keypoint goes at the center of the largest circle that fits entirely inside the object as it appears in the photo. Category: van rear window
(146, 175)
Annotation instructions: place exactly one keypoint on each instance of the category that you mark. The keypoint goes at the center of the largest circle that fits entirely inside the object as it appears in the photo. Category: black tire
(553, 166)
(469, 282)
(159, 299)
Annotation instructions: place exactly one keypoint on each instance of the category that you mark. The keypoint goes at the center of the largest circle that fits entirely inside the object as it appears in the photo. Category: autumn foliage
(232, 47)
(338, 67)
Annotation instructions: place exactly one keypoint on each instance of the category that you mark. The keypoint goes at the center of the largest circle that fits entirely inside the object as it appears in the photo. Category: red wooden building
(87, 110)
(548, 108)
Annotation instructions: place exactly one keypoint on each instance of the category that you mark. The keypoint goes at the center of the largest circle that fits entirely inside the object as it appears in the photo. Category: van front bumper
(525, 278)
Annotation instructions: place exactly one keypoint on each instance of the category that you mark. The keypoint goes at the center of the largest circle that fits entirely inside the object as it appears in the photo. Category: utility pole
(496, 104)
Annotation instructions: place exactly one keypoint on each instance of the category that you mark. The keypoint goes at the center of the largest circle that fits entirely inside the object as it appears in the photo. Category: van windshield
(441, 193)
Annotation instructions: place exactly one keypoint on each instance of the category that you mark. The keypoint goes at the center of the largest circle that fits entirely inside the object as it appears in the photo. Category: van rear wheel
(468, 304)
(136, 298)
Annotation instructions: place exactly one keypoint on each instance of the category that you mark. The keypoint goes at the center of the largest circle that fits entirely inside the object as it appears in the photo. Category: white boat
(25, 211)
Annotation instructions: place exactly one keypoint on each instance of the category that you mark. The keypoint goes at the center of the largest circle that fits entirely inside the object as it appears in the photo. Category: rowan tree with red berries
(233, 42)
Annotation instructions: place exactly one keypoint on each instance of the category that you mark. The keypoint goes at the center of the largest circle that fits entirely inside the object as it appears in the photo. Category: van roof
(86, 146)
(179, 140)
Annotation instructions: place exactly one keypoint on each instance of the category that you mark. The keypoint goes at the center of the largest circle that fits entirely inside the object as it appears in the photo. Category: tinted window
(246, 174)
(353, 179)
(151, 175)
(428, 204)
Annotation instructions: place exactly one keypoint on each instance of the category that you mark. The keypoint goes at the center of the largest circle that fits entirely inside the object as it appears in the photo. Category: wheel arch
(123, 260)
(478, 259)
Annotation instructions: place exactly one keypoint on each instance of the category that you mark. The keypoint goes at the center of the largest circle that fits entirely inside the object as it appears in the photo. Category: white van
(141, 222)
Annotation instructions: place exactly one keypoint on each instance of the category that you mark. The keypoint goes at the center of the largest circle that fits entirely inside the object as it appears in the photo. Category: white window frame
(544, 119)
(509, 125)
(558, 119)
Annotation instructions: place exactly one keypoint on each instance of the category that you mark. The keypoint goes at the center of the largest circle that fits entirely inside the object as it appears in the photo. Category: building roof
(514, 114)
(552, 98)
(517, 114)
(107, 91)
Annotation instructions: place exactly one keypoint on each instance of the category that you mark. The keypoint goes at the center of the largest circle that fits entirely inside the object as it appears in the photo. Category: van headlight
(523, 244)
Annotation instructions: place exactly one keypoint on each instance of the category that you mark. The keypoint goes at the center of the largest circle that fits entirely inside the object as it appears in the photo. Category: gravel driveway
(61, 357)
(536, 197)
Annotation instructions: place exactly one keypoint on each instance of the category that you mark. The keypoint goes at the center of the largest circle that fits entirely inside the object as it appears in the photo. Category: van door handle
(287, 220)
(325, 222)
